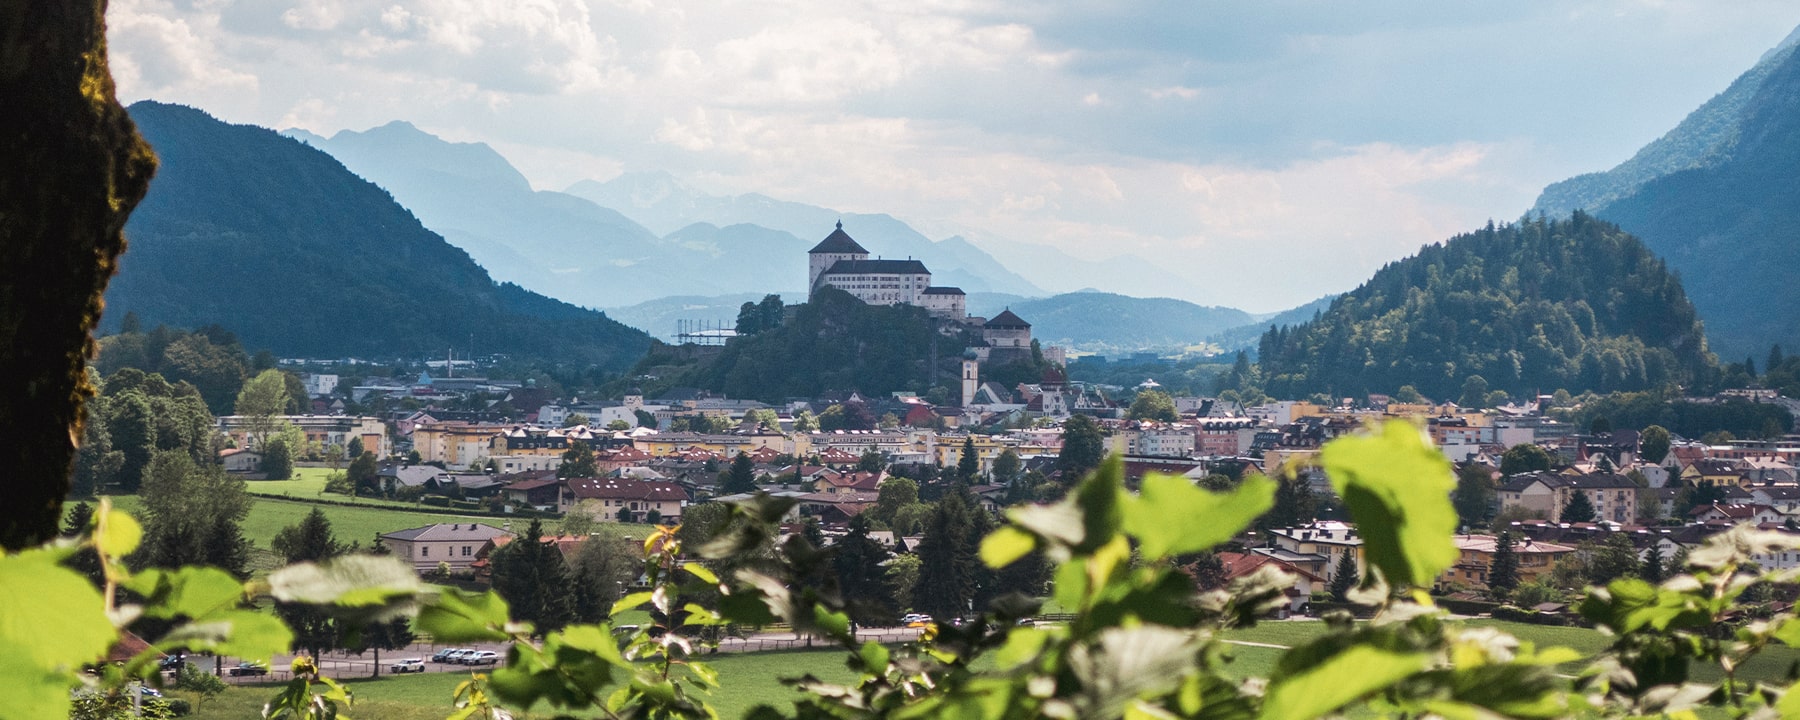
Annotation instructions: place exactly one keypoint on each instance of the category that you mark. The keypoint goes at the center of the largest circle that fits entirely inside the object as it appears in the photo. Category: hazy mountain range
(1718, 197)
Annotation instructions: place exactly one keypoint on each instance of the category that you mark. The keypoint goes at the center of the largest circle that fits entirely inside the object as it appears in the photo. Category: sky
(1269, 151)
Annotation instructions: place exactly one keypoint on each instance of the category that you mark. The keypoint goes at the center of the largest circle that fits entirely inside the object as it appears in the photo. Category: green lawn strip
(309, 484)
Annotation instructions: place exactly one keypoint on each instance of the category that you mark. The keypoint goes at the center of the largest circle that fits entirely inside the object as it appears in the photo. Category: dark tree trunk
(74, 169)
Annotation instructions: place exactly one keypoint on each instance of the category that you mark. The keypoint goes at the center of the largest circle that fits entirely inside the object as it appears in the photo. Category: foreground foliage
(1141, 643)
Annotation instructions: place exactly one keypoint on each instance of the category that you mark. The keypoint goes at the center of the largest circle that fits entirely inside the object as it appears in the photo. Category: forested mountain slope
(1575, 304)
(281, 244)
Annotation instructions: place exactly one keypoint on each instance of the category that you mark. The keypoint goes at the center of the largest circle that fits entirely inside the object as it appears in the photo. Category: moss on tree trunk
(74, 168)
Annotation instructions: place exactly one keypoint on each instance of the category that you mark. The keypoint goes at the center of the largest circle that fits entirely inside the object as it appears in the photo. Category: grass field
(359, 524)
(752, 679)
(309, 484)
(746, 680)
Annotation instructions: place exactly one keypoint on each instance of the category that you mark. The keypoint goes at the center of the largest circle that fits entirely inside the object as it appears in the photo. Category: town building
(453, 543)
(1476, 556)
(322, 430)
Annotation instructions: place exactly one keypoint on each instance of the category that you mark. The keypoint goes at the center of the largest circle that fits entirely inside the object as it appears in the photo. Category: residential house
(1476, 557)
(544, 493)
(1306, 582)
(628, 500)
(239, 461)
(1327, 540)
(1735, 513)
(1614, 496)
(323, 430)
(453, 543)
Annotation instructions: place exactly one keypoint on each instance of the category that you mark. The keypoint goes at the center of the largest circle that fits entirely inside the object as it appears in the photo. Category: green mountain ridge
(1536, 306)
(281, 244)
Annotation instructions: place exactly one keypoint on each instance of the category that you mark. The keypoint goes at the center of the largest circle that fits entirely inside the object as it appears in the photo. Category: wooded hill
(281, 244)
(1540, 305)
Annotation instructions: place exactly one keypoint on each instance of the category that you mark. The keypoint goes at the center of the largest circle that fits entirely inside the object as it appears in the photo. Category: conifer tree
(861, 578)
(1579, 509)
(741, 478)
(1344, 576)
(968, 466)
(1653, 570)
(531, 576)
(309, 540)
(1503, 569)
(946, 581)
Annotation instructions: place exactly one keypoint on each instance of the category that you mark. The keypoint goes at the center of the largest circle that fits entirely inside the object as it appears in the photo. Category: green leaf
(32, 691)
(1083, 522)
(630, 602)
(1344, 678)
(49, 615)
(351, 581)
(1170, 516)
(455, 616)
(701, 572)
(1005, 546)
(874, 658)
(1397, 487)
(119, 534)
(245, 633)
(836, 624)
(194, 592)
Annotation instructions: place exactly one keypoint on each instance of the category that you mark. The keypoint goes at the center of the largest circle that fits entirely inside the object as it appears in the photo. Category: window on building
(467, 551)
(425, 551)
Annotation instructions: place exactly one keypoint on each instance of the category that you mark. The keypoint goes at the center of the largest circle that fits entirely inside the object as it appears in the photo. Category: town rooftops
(935, 290)
(447, 532)
(876, 267)
(1487, 544)
(1007, 320)
(837, 242)
(625, 489)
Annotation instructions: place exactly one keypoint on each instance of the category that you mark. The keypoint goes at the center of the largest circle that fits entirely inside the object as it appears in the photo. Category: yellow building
(454, 444)
(1536, 559)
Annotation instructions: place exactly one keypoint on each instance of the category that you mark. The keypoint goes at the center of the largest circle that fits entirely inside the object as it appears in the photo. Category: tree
(354, 449)
(857, 560)
(1654, 570)
(742, 476)
(364, 474)
(895, 493)
(1083, 448)
(575, 420)
(1579, 509)
(1008, 468)
(1294, 502)
(1154, 405)
(604, 565)
(1475, 493)
(1524, 458)
(278, 459)
(1474, 392)
(1409, 395)
(645, 418)
(871, 461)
(309, 540)
(946, 583)
(968, 464)
(1206, 568)
(529, 573)
(1653, 444)
(133, 426)
(1344, 576)
(97, 464)
(578, 461)
(1615, 558)
(902, 578)
(260, 401)
(1600, 425)
(805, 422)
(1503, 569)
(191, 515)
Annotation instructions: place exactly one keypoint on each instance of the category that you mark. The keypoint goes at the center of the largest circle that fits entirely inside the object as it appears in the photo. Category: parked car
(170, 662)
(408, 665)
(249, 667)
(456, 656)
(483, 657)
(910, 618)
(443, 656)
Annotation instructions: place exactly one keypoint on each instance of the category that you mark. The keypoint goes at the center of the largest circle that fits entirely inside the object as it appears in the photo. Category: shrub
(435, 501)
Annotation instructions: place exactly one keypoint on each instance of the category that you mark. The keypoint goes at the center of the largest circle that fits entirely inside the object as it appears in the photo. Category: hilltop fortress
(840, 262)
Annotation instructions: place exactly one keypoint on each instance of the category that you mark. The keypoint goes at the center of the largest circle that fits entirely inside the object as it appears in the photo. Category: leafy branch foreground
(1141, 645)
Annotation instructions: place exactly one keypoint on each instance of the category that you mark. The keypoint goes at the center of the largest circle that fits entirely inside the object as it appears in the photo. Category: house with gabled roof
(453, 543)
(628, 500)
